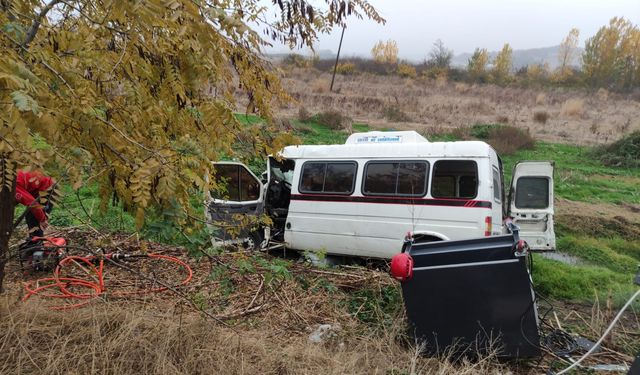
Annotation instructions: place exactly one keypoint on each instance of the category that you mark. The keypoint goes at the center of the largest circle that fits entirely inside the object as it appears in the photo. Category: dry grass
(319, 86)
(462, 87)
(502, 119)
(394, 113)
(602, 94)
(304, 115)
(162, 334)
(451, 104)
(124, 339)
(541, 117)
(573, 108)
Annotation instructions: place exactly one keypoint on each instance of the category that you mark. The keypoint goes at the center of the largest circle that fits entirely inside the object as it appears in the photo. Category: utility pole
(335, 66)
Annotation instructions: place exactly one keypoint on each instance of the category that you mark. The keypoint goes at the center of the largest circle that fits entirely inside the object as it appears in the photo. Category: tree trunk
(7, 206)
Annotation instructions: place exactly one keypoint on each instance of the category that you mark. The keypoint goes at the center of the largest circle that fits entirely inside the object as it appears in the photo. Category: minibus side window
(455, 179)
(312, 180)
(396, 178)
(381, 178)
(328, 177)
(339, 178)
(412, 179)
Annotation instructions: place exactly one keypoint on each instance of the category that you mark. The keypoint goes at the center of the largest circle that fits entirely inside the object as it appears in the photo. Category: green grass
(248, 119)
(72, 209)
(580, 177)
(313, 133)
(599, 252)
(609, 262)
(579, 283)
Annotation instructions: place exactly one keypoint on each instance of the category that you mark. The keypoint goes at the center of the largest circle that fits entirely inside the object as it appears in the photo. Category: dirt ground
(626, 212)
(261, 325)
(563, 115)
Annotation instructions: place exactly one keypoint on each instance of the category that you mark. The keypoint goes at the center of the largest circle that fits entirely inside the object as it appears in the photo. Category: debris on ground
(256, 304)
(324, 332)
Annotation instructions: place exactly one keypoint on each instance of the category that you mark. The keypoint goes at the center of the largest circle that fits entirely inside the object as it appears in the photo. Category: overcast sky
(464, 25)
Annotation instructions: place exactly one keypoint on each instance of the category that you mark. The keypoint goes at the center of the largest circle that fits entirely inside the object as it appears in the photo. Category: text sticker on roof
(376, 139)
(385, 137)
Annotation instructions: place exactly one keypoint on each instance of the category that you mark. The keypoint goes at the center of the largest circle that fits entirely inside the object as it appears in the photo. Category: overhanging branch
(33, 29)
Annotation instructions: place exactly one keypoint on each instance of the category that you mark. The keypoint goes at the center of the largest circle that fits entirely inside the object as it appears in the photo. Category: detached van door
(241, 194)
(531, 203)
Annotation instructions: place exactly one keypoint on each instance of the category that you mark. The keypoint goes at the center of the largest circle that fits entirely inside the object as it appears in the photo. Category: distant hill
(524, 57)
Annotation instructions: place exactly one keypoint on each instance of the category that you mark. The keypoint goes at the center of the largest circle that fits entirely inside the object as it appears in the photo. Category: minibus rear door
(531, 203)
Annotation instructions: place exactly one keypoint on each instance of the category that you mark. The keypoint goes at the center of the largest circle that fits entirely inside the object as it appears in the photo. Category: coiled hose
(95, 286)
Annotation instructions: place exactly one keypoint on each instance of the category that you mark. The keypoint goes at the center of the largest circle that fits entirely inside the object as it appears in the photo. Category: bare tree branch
(33, 30)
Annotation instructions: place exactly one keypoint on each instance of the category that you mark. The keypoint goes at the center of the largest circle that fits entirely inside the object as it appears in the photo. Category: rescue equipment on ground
(49, 253)
(470, 295)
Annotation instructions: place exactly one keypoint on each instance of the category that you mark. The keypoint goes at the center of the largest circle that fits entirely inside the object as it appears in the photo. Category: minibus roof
(384, 145)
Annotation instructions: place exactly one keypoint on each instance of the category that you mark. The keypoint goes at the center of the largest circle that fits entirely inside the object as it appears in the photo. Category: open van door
(241, 195)
(531, 203)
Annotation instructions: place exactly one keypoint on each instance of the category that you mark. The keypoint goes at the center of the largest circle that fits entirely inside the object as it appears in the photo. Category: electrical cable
(604, 335)
(557, 341)
(96, 286)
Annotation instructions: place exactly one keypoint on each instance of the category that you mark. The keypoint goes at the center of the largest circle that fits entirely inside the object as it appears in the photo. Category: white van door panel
(531, 203)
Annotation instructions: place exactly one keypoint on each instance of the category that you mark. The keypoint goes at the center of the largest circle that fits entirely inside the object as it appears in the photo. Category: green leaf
(14, 28)
(24, 102)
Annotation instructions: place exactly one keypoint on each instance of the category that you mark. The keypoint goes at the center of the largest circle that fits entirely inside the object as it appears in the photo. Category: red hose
(96, 287)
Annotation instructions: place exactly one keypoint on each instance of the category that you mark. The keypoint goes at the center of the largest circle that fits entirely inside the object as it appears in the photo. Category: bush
(573, 108)
(505, 139)
(541, 116)
(395, 114)
(299, 61)
(623, 153)
(407, 71)
(332, 119)
(359, 64)
(304, 115)
(482, 131)
(346, 68)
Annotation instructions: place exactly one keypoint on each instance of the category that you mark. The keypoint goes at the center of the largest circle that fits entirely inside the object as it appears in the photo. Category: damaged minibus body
(362, 197)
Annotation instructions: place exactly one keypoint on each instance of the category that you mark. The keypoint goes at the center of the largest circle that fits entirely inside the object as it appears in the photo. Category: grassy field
(607, 256)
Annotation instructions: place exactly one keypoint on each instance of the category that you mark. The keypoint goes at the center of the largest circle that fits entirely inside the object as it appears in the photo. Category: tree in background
(440, 56)
(503, 64)
(385, 52)
(611, 58)
(477, 65)
(138, 97)
(537, 73)
(566, 54)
